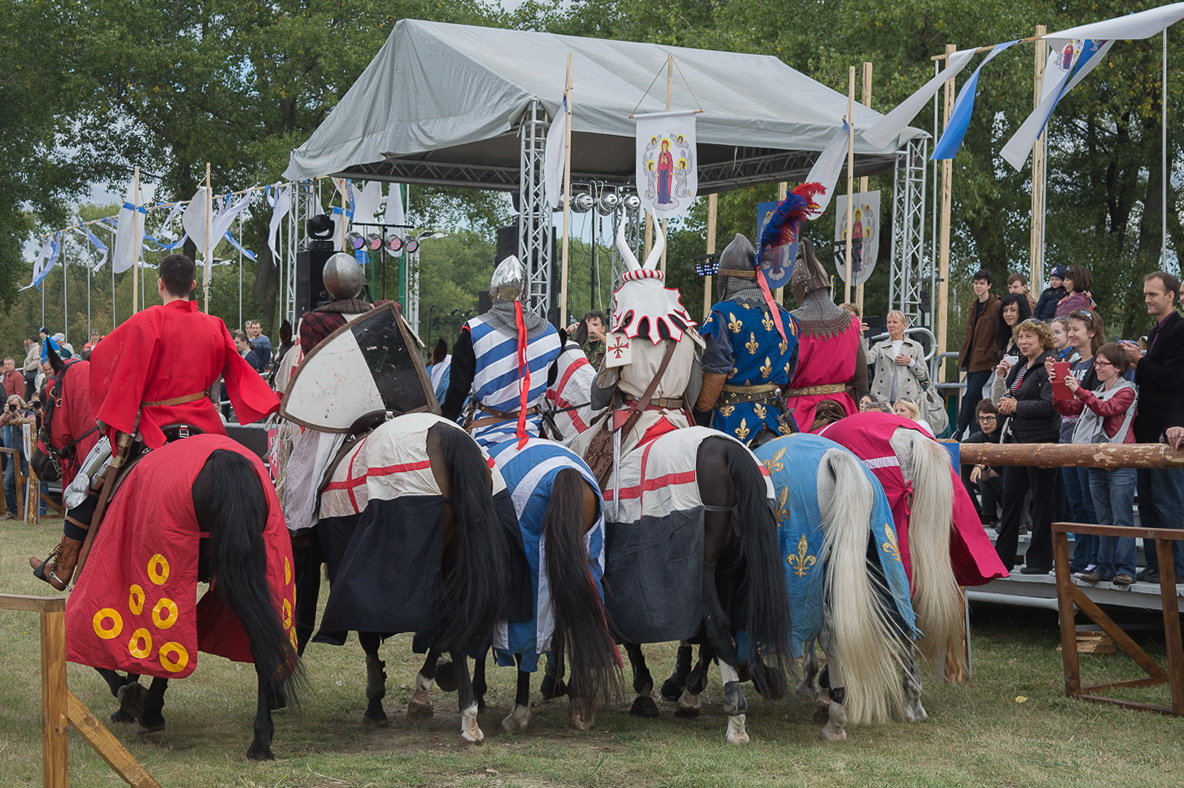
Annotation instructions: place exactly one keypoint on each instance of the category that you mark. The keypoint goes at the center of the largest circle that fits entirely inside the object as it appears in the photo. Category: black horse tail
(766, 605)
(474, 591)
(581, 625)
(230, 505)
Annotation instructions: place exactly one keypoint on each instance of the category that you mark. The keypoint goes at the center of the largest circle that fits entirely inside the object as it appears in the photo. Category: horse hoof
(151, 725)
(688, 705)
(131, 699)
(552, 688)
(644, 706)
(470, 731)
(582, 713)
(446, 675)
(258, 752)
(736, 731)
(122, 717)
(375, 716)
(671, 690)
(517, 721)
(418, 710)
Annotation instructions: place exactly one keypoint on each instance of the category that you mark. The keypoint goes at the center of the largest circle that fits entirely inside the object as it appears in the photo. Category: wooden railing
(60, 706)
(1070, 595)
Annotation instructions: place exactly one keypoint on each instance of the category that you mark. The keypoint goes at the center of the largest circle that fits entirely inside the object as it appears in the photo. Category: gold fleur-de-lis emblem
(802, 560)
(890, 547)
(774, 463)
(787, 370)
(767, 368)
(752, 346)
(784, 428)
(727, 410)
(734, 324)
(760, 410)
(782, 347)
(742, 432)
(767, 322)
(782, 513)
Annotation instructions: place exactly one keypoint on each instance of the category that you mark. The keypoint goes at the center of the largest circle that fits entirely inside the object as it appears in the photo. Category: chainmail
(819, 316)
(736, 288)
(501, 316)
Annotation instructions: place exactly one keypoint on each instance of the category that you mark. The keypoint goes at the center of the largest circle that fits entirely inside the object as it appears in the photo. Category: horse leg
(115, 683)
(913, 710)
(696, 681)
(836, 722)
(375, 678)
(470, 731)
(808, 686)
(480, 685)
(152, 718)
(673, 687)
(420, 705)
(518, 720)
(553, 685)
(643, 683)
(734, 704)
(264, 727)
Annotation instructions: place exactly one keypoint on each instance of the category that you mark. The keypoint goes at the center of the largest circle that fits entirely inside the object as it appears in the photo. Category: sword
(123, 448)
(617, 475)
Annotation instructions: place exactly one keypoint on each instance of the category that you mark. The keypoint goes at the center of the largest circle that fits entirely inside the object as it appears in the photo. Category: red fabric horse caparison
(135, 604)
(971, 552)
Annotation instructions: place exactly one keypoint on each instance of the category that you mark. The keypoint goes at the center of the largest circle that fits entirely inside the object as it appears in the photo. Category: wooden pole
(567, 86)
(850, 181)
(669, 106)
(866, 100)
(1039, 150)
(712, 216)
(208, 264)
(135, 258)
(54, 723)
(782, 191)
(1107, 456)
(942, 307)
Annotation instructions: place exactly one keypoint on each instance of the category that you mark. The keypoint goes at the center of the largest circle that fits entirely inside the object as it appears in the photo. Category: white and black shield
(369, 364)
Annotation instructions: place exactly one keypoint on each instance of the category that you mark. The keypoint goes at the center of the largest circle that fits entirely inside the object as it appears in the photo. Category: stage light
(706, 265)
(608, 203)
(319, 227)
(632, 202)
(373, 242)
(411, 245)
(582, 202)
(355, 241)
(394, 245)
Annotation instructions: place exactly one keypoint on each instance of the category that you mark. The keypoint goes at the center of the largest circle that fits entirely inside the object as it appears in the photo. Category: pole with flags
(866, 99)
(207, 262)
(567, 88)
(136, 241)
(850, 181)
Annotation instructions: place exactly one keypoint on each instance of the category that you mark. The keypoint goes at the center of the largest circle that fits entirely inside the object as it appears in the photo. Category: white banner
(281, 204)
(553, 156)
(667, 162)
(1143, 24)
(888, 128)
(393, 213)
(367, 196)
(827, 167)
(865, 236)
(129, 233)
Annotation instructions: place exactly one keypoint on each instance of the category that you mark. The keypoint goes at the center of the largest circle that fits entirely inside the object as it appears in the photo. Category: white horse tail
(864, 637)
(936, 596)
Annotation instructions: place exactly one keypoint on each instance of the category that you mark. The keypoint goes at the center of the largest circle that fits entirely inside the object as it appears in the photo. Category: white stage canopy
(440, 104)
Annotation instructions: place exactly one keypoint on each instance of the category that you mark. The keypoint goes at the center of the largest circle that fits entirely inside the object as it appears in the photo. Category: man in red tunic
(155, 370)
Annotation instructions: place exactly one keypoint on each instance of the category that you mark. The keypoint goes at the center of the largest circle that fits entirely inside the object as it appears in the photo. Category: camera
(37, 404)
(12, 406)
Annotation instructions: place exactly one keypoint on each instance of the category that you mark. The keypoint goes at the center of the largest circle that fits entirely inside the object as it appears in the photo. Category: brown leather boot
(58, 568)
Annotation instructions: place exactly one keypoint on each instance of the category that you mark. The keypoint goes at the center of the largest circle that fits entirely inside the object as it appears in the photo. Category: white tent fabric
(453, 93)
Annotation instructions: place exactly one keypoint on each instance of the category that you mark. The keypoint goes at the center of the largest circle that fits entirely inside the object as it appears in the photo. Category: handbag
(934, 410)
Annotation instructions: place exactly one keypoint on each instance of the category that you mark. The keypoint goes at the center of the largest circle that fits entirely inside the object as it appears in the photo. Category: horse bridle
(44, 433)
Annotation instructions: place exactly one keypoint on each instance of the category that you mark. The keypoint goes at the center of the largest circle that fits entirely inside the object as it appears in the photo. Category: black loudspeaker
(484, 302)
(310, 287)
(507, 243)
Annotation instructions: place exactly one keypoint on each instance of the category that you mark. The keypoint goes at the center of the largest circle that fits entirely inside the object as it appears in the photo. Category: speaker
(507, 243)
(310, 286)
(484, 302)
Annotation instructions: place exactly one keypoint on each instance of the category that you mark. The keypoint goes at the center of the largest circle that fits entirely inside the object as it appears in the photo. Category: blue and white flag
(100, 248)
(1016, 151)
(280, 199)
(129, 231)
(1142, 24)
(888, 128)
(46, 259)
(951, 139)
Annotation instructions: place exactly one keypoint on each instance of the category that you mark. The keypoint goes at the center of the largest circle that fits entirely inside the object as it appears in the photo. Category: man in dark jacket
(1160, 377)
(1046, 307)
(979, 353)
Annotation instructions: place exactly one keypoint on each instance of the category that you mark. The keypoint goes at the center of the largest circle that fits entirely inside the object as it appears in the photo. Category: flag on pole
(393, 214)
(1143, 24)
(194, 220)
(100, 247)
(886, 130)
(45, 260)
(367, 196)
(553, 156)
(1015, 151)
(827, 167)
(667, 162)
(951, 139)
(129, 232)
(281, 203)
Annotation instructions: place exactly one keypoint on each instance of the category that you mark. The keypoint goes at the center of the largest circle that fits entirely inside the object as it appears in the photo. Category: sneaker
(1089, 577)
(1149, 575)
(1122, 579)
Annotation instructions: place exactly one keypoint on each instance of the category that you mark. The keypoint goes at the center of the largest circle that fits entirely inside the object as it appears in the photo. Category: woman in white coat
(898, 364)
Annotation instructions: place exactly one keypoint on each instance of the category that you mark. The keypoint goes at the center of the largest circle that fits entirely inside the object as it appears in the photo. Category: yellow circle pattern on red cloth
(107, 623)
(287, 571)
(165, 613)
(158, 569)
(287, 614)
(140, 646)
(173, 657)
(135, 599)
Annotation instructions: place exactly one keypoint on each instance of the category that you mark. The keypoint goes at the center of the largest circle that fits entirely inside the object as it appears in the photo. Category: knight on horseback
(751, 351)
(494, 353)
(153, 380)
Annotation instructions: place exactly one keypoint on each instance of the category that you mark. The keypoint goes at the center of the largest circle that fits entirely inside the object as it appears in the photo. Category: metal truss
(913, 273)
(534, 213)
(411, 302)
(305, 204)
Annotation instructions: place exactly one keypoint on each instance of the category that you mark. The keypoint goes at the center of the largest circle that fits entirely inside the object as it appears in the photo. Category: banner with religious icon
(865, 236)
(779, 268)
(667, 176)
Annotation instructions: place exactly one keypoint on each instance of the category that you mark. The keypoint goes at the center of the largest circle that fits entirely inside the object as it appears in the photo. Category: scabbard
(123, 447)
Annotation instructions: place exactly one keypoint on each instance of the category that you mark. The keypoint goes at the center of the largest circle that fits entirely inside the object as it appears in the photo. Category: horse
(225, 528)
(420, 535)
(561, 520)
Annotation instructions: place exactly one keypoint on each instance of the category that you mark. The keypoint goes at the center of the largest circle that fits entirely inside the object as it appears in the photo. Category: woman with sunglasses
(1086, 333)
(1107, 416)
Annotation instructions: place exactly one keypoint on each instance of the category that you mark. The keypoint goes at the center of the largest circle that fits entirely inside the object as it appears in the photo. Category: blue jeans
(1161, 505)
(1114, 501)
(1080, 509)
(970, 399)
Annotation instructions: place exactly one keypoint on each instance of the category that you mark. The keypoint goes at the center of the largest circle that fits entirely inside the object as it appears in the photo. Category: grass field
(1010, 726)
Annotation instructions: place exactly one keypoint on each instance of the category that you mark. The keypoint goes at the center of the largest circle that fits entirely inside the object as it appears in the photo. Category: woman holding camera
(16, 414)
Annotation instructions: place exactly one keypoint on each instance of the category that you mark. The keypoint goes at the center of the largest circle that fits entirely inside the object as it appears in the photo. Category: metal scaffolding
(535, 232)
(293, 240)
(910, 287)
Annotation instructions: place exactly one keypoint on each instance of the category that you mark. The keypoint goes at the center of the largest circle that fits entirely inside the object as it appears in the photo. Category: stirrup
(43, 573)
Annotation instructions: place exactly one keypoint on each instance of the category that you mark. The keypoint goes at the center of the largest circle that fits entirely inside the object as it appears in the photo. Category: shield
(370, 364)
